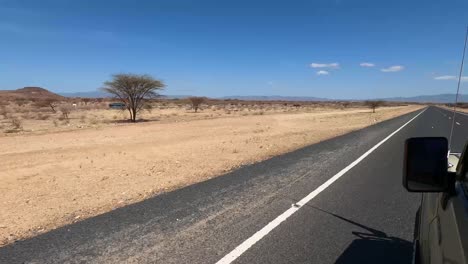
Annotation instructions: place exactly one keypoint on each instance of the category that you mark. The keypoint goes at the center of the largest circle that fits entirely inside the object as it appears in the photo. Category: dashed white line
(457, 123)
(244, 246)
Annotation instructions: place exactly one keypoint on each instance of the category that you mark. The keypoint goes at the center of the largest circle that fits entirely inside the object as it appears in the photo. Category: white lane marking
(440, 111)
(244, 246)
(457, 123)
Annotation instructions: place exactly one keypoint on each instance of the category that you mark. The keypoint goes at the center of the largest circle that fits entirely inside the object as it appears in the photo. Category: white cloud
(395, 68)
(450, 77)
(367, 64)
(323, 73)
(445, 77)
(333, 65)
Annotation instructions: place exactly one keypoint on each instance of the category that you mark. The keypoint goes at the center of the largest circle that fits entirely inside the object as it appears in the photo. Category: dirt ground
(56, 175)
(459, 109)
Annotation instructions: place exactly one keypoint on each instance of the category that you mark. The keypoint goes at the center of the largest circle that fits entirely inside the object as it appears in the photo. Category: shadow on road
(373, 246)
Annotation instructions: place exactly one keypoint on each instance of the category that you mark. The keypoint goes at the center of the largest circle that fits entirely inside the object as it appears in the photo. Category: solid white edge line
(244, 246)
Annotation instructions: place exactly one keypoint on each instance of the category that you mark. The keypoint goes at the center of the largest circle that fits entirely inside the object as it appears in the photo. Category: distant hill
(30, 93)
(88, 94)
(275, 98)
(438, 98)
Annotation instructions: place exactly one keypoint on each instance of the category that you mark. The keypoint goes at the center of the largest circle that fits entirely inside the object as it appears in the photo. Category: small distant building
(117, 105)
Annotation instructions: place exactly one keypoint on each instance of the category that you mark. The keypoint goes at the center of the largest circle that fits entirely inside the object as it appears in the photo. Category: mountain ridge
(39, 92)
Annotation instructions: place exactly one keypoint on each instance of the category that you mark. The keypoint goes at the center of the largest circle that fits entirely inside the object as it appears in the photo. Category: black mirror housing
(425, 164)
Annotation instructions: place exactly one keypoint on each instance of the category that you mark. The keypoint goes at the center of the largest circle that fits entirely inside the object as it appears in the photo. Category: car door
(427, 214)
(430, 250)
(449, 230)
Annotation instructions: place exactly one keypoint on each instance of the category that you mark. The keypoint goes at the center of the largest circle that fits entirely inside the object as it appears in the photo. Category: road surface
(339, 201)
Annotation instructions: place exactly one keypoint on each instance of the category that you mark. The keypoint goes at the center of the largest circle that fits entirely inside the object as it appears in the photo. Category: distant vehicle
(117, 105)
(441, 225)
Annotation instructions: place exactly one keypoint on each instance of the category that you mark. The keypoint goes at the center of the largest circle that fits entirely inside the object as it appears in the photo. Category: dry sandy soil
(459, 109)
(50, 178)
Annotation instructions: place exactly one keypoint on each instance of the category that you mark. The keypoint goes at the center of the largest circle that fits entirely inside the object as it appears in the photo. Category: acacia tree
(133, 90)
(196, 102)
(373, 105)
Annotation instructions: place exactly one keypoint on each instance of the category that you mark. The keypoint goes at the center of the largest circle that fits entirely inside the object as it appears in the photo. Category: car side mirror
(425, 164)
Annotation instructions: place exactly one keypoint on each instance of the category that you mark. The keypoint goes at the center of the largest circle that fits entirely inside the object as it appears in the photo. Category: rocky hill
(30, 93)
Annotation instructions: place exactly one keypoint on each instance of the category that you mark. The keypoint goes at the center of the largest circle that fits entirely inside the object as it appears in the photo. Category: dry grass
(35, 116)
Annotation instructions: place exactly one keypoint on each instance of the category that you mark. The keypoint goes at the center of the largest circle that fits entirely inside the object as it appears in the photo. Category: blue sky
(220, 48)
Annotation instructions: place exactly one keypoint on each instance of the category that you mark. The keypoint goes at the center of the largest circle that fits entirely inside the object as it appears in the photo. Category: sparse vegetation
(21, 101)
(41, 116)
(4, 112)
(88, 113)
(16, 124)
(86, 100)
(133, 90)
(196, 102)
(148, 107)
(65, 110)
(49, 102)
(373, 104)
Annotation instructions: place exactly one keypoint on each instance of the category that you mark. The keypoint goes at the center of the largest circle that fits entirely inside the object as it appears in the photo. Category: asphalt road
(365, 216)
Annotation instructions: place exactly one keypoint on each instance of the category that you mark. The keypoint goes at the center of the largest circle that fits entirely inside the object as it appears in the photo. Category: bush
(4, 112)
(16, 123)
(345, 104)
(52, 103)
(148, 107)
(41, 116)
(196, 102)
(21, 101)
(65, 112)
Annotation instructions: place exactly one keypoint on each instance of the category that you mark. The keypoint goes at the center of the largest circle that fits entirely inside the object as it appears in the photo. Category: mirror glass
(426, 164)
